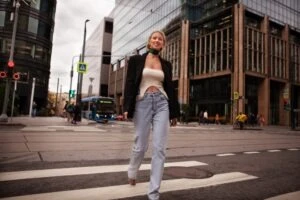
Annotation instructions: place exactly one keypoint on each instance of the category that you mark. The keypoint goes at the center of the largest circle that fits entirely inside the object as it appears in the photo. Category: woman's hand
(173, 122)
(125, 115)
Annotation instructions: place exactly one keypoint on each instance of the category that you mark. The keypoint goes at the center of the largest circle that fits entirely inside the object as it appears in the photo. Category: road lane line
(251, 152)
(125, 191)
(293, 149)
(9, 176)
(274, 150)
(225, 154)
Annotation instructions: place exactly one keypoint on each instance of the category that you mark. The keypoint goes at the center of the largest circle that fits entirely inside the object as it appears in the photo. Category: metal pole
(4, 117)
(71, 76)
(71, 79)
(80, 75)
(13, 100)
(31, 98)
(56, 96)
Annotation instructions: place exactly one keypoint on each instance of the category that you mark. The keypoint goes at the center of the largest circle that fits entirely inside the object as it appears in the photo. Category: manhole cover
(187, 172)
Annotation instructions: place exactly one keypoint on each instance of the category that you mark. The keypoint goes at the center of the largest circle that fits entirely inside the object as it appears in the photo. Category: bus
(105, 108)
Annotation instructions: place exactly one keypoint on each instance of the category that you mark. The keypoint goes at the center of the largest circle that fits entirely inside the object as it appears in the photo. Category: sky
(68, 37)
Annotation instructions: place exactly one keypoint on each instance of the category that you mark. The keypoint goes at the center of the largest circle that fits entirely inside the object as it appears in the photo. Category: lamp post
(90, 89)
(71, 76)
(80, 75)
(4, 117)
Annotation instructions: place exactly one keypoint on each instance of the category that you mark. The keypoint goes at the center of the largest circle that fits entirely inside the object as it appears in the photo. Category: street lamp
(80, 75)
(90, 89)
(3, 117)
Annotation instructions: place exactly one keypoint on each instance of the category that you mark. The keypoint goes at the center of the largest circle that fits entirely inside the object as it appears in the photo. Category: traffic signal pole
(4, 117)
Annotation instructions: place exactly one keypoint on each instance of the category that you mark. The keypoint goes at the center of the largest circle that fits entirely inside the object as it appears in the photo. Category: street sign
(16, 76)
(3, 74)
(82, 67)
(235, 95)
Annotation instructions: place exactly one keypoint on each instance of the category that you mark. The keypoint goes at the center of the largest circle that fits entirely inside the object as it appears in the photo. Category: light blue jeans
(152, 110)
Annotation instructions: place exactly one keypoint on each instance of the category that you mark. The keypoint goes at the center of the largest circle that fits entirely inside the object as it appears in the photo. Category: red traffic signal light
(3, 74)
(11, 63)
(16, 76)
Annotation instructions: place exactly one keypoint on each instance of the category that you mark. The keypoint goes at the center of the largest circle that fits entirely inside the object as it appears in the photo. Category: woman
(150, 98)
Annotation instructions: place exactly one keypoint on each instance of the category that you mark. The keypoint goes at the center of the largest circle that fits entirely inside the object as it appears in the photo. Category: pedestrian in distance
(76, 114)
(34, 108)
(241, 120)
(205, 117)
(200, 117)
(70, 111)
(151, 101)
(261, 120)
(217, 119)
(65, 109)
(93, 111)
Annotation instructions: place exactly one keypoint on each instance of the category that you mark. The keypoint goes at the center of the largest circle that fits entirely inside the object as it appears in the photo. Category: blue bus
(98, 108)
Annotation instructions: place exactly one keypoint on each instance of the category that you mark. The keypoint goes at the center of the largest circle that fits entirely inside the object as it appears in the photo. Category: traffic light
(11, 64)
(72, 93)
(16, 76)
(3, 74)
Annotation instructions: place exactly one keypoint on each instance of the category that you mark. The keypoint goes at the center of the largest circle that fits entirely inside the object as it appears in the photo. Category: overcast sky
(68, 36)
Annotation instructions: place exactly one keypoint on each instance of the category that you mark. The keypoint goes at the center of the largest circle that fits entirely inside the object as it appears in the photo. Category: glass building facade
(33, 46)
(228, 56)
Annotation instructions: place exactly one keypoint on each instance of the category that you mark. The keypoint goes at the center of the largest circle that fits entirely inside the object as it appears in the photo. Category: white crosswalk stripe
(123, 191)
(9, 176)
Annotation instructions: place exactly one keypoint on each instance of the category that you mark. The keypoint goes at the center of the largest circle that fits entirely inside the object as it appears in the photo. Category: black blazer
(134, 76)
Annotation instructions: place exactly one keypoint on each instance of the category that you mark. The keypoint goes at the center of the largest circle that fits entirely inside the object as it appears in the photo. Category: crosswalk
(123, 191)
(117, 191)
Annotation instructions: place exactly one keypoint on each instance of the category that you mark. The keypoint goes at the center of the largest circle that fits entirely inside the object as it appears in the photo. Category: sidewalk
(43, 121)
(60, 121)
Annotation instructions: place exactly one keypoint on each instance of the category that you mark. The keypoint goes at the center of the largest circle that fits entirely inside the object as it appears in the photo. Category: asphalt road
(224, 163)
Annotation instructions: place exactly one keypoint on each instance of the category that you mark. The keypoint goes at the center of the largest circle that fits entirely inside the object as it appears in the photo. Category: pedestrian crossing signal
(72, 93)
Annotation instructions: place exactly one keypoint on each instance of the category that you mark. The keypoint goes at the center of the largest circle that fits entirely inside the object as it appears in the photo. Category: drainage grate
(187, 172)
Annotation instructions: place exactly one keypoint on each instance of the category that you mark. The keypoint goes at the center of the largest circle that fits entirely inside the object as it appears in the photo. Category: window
(108, 27)
(36, 5)
(23, 22)
(106, 58)
(33, 25)
(44, 30)
(2, 18)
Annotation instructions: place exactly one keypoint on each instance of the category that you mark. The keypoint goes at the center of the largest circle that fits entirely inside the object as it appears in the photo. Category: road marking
(61, 128)
(225, 154)
(125, 191)
(274, 150)
(294, 149)
(287, 196)
(251, 152)
(9, 176)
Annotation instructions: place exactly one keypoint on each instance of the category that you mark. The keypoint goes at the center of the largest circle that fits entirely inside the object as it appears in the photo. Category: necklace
(154, 51)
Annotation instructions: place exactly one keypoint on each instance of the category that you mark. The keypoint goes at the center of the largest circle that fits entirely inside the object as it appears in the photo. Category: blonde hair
(163, 35)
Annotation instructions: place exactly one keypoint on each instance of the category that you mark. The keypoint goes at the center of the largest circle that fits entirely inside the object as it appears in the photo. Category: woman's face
(156, 41)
